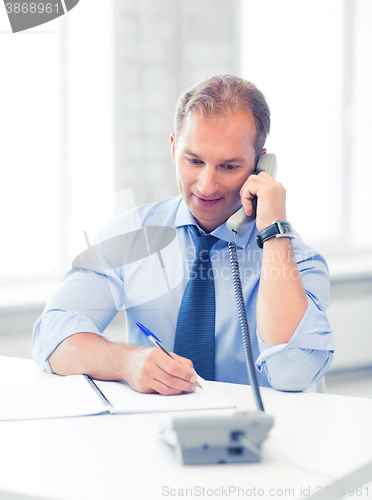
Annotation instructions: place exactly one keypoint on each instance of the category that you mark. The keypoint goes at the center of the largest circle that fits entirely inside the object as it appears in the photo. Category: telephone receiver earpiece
(239, 222)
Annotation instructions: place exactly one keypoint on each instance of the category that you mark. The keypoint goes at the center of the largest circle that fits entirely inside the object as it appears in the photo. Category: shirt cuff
(301, 362)
(48, 368)
(52, 328)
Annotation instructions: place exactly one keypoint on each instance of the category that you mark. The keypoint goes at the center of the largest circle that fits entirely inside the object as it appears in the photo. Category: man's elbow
(303, 373)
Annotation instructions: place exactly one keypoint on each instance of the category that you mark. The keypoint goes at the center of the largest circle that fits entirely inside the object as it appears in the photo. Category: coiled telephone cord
(244, 325)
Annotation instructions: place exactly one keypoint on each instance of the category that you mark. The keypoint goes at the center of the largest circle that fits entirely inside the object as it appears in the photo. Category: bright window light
(312, 59)
(29, 154)
(57, 142)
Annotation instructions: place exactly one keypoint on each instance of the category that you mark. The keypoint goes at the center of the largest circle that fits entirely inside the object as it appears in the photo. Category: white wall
(163, 47)
(350, 315)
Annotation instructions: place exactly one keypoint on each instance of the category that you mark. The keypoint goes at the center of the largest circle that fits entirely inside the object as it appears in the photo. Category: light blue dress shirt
(151, 289)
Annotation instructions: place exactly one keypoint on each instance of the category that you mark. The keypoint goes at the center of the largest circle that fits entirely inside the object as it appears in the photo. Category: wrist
(121, 360)
(278, 229)
(266, 221)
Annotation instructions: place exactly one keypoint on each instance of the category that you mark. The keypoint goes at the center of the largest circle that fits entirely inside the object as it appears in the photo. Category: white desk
(315, 438)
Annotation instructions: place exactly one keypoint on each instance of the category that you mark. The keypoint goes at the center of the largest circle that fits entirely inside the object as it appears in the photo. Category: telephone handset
(239, 222)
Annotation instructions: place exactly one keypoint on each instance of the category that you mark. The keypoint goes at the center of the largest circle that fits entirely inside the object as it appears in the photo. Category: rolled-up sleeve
(53, 328)
(300, 363)
(84, 302)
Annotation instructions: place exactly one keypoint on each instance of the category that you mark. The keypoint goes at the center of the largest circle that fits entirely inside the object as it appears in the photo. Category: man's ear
(173, 148)
(263, 152)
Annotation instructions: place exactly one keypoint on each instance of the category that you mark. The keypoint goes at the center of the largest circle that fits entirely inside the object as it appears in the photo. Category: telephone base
(219, 439)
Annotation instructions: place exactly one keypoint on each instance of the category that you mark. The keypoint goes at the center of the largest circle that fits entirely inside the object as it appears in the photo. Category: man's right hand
(145, 369)
(149, 370)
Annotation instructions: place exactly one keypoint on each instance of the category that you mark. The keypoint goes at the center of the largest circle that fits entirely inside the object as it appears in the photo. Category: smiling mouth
(206, 201)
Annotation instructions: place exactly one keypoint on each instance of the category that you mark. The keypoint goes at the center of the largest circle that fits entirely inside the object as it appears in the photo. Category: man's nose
(207, 183)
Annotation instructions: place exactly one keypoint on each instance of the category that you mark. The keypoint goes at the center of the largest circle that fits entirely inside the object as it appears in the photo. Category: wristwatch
(278, 229)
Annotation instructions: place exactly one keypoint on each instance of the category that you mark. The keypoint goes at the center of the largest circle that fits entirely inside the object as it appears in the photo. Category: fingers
(174, 376)
(151, 370)
(270, 199)
(254, 183)
(184, 361)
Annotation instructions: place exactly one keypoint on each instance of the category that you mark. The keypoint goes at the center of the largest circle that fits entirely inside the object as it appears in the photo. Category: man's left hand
(270, 199)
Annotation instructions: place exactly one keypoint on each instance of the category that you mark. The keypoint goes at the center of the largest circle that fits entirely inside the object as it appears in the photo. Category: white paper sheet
(54, 397)
(125, 400)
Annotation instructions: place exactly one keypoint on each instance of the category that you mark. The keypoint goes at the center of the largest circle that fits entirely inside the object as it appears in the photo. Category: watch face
(285, 229)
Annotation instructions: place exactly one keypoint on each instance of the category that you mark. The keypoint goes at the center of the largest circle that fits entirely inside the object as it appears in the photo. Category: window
(29, 154)
(312, 59)
(57, 143)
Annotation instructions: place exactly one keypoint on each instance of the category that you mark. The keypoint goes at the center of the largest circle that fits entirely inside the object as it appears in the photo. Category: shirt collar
(185, 218)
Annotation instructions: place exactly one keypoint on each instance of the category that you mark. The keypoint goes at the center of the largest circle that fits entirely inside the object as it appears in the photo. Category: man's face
(213, 158)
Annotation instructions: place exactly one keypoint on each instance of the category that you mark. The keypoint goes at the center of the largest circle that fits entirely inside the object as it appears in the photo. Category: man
(220, 129)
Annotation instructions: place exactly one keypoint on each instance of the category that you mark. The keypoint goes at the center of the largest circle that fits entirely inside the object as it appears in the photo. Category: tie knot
(203, 242)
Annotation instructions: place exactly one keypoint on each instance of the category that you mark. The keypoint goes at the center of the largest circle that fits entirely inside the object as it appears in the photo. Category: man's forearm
(281, 300)
(90, 354)
(146, 369)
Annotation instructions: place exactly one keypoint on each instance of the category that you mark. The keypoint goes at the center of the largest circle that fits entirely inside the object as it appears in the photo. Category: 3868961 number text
(31, 8)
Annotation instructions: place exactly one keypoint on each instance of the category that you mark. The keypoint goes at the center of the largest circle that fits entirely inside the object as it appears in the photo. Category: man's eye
(230, 167)
(194, 161)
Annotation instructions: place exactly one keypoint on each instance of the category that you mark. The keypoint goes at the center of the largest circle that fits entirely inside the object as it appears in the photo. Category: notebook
(78, 395)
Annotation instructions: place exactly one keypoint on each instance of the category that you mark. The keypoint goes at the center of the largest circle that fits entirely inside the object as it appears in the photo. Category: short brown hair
(222, 95)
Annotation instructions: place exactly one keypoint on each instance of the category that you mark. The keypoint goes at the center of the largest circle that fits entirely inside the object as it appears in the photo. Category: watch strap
(278, 229)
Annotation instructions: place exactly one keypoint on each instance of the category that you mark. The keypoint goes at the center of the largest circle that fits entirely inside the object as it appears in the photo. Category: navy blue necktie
(196, 320)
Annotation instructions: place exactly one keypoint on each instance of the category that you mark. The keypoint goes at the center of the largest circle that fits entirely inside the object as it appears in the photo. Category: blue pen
(154, 339)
